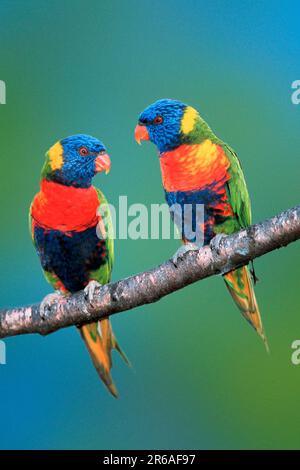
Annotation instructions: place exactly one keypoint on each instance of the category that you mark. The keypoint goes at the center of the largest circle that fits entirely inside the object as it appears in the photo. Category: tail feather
(110, 341)
(106, 336)
(118, 348)
(100, 341)
(241, 289)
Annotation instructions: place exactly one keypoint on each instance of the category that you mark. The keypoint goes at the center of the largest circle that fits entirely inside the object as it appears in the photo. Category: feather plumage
(199, 168)
(73, 239)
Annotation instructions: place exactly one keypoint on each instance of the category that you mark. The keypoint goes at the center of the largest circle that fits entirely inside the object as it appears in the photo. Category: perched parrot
(68, 233)
(199, 168)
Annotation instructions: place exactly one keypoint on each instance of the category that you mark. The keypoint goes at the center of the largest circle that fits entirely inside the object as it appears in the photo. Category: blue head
(75, 160)
(161, 123)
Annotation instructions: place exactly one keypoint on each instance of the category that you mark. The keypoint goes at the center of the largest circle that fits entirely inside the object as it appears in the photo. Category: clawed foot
(89, 291)
(47, 303)
(180, 253)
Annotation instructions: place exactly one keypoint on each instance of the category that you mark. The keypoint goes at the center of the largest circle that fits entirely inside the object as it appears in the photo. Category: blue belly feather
(70, 256)
(209, 198)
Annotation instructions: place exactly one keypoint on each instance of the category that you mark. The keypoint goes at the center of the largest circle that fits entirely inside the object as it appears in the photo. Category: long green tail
(240, 286)
(100, 341)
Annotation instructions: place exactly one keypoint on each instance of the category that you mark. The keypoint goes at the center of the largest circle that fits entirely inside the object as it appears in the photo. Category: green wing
(237, 189)
(103, 274)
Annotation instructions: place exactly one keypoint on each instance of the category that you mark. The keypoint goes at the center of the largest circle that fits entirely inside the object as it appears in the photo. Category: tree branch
(222, 255)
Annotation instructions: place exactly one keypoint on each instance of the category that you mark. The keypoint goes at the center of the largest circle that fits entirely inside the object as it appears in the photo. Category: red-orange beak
(103, 163)
(141, 133)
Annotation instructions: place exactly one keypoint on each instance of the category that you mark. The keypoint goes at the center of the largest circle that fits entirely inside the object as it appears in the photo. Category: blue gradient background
(201, 378)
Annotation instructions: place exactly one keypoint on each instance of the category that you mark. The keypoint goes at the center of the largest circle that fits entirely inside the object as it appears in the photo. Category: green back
(237, 189)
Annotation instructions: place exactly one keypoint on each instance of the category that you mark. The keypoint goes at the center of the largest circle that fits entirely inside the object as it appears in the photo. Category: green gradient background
(201, 377)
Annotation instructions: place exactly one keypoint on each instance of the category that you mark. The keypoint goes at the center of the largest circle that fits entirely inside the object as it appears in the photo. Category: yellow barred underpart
(188, 120)
(55, 155)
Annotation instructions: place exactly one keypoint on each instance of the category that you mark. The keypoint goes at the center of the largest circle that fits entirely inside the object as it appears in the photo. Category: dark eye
(83, 151)
(158, 120)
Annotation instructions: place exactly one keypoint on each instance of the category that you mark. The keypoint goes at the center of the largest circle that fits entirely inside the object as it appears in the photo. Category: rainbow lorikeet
(69, 235)
(199, 168)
